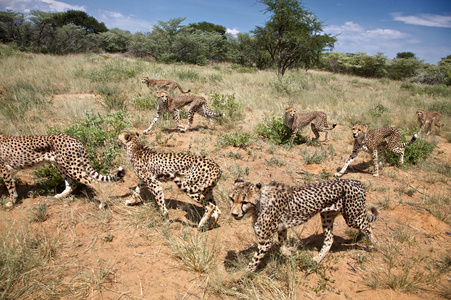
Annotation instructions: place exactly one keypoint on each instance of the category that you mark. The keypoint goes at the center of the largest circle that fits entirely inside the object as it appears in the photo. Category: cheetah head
(420, 113)
(144, 79)
(162, 98)
(244, 197)
(126, 138)
(290, 112)
(359, 131)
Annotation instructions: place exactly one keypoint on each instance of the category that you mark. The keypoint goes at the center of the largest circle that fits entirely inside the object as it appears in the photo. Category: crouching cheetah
(173, 104)
(427, 118)
(275, 207)
(372, 140)
(316, 119)
(68, 154)
(195, 175)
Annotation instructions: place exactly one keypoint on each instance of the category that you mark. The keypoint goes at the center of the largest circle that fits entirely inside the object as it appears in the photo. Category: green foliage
(236, 139)
(359, 64)
(49, 179)
(316, 157)
(188, 74)
(97, 133)
(414, 153)
(228, 105)
(444, 107)
(275, 130)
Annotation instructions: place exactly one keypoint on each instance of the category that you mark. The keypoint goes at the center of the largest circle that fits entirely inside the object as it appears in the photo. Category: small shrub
(235, 139)
(316, 158)
(417, 151)
(39, 213)
(228, 105)
(275, 130)
(49, 179)
(242, 69)
(113, 98)
(274, 161)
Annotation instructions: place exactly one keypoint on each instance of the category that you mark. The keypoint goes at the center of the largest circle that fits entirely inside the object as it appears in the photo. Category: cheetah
(68, 154)
(194, 175)
(316, 119)
(427, 118)
(167, 85)
(276, 207)
(372, 140)
(173, 104)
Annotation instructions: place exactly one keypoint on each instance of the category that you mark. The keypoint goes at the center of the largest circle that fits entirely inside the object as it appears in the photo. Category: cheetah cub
(372, 140)
(166, 85)
(316, 119)
(195, 175)
(427, 118)
(174, 104)
(276, 207)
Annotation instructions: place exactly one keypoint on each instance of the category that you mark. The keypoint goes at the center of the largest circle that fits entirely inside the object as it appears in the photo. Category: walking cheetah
(427, 118)
(173, 104)
(275, 207)
(68, 154)
(166, 85)
(372, 140)
(195, 175)
(316, 119)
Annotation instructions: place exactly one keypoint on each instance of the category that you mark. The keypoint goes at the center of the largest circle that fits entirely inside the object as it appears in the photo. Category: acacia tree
(292, 35)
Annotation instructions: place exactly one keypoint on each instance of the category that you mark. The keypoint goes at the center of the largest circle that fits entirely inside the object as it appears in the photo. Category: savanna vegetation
(68, 248)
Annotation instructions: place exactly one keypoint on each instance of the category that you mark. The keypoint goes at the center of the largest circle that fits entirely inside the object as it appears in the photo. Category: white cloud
(425, 20)
(117, 20)
(42, 5)
(233, 31)
(353, 38)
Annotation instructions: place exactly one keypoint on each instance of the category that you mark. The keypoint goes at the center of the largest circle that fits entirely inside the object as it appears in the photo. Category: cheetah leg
(153, 122)
(176, 115)
(157, 190)
(315, 131)
(136, 196)
(293, 134)
(190, 120)
(263, 248)
(348, 162)
(376, 163)
(399, 151)
(327, 219)
(203, 113)
(214, 217)
(70, 185)
(7, 175)
(381, 151)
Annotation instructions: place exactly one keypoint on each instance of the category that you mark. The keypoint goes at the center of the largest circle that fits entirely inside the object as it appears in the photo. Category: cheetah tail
(415, 136)
(184, 92)
(374, 214)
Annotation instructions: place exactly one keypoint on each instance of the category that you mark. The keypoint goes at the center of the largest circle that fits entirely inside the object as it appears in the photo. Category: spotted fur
(426, 119)
(276, 207)
(194, 175)
(372, 140)
(174, 104)
(68, 154)
(316, 119)
(165, 85)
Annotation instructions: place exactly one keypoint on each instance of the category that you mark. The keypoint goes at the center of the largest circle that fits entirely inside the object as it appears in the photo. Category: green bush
(417, 151)
(113, 98)
(275, 130)
(235, 139)
(227, 105)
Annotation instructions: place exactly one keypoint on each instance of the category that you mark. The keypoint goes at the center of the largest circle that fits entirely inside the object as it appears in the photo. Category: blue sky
(371, 26)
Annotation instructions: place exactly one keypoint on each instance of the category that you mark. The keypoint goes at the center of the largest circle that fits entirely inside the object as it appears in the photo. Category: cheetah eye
(231, 199)
(244, 203)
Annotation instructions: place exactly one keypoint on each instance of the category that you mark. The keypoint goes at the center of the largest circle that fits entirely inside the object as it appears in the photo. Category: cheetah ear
(259, 185)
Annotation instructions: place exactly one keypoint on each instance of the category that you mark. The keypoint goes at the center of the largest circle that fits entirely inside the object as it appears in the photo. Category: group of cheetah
(274, 207)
